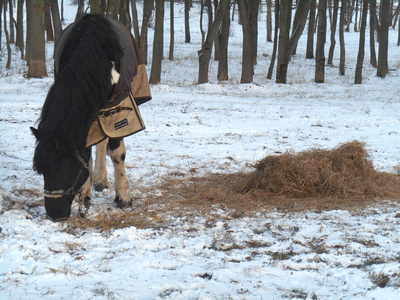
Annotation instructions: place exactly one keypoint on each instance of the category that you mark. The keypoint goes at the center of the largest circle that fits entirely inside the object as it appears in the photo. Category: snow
(215, 127)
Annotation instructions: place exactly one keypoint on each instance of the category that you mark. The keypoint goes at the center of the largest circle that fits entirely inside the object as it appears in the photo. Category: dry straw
(343, 172)
(343, 177)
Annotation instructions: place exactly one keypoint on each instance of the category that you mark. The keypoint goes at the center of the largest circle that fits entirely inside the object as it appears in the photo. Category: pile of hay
(344, 172)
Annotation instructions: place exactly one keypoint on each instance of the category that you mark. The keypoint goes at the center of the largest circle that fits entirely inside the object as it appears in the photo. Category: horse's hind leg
(100, 180)
(116, 149)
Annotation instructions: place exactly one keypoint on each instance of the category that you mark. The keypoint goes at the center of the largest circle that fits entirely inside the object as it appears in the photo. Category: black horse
(95, 62)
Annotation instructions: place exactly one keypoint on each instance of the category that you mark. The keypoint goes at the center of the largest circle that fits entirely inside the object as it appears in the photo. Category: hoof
(86, 202)
(122, 204)
(99, 187)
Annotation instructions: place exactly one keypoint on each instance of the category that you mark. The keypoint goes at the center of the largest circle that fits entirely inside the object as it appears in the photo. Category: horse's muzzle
(58, 208)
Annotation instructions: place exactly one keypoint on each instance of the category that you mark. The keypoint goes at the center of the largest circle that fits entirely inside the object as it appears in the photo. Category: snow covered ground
(215, 127)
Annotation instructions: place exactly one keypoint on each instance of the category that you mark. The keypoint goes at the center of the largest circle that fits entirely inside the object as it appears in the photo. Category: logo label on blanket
(121, 124)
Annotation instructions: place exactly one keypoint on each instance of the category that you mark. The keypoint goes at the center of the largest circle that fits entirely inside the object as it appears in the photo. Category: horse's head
(64, 171)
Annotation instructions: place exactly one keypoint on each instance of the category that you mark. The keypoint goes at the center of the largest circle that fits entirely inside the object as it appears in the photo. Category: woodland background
(285, 22)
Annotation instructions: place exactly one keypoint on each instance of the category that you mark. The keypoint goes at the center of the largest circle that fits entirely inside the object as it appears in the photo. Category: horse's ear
(35, 132)
(58, 142)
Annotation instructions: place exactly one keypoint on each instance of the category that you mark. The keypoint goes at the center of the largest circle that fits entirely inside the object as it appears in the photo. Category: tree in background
(341, 38)
(113, 9)
(36, 43)
(372, 28)
(187, 26)
(321, 38)
(333, 31)
(158, 44)
(310, 33)
(360, 57)
(269, 20)
(223, 45)
(247, 53)
(148, 6)
(55, 14)
(8, 65)
(205, 52)
(276, 31)
(386, 18)
(287, 44)
(95, 7)
(80, 12)
(135, 21)
(20, 43)
(171, 31)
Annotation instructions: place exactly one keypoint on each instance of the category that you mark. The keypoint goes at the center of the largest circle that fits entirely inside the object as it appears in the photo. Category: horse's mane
(81, 87)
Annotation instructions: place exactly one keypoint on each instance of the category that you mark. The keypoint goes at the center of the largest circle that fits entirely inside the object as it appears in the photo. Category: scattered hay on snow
(314, 179)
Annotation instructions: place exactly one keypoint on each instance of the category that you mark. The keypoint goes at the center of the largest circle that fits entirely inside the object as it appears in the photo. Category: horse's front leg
(100, 180)
(86, 192)
(116, 149)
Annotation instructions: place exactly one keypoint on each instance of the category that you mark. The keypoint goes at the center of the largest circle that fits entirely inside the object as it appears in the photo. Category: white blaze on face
(114, 74)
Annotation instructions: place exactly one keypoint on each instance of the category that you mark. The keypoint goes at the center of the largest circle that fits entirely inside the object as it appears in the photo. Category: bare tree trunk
(11, 13)
(210, 14)
(253, 18)
(356, 20)
(295, 24)
(8, 64)
(172, 31)
(276, 31)
(333, 31)
(396, 16)
(321, 38)
(269, 20)
(147, 10)
(158, 44)
(20, 28)
(310, 34)
(283, 44)
(223, 45)
(187, 26)
(56, 20)
(247, 59)
(95, 7)
(286, 45)
(47, 21)
(123, 16)
(361, 48)
(398, 34)
(205, 52)
(1, 13)
(341, 38)
(35, 31)
(372, 26)
(80, 12)
(135, 22)
(350, 10)
(383, 67)
(216, 42)
(112, 9)
(62, 10)
(203, 34)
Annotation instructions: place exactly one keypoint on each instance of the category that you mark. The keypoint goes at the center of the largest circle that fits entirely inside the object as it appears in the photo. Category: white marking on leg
(114, 75)
(100, 180)
(121, 182)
